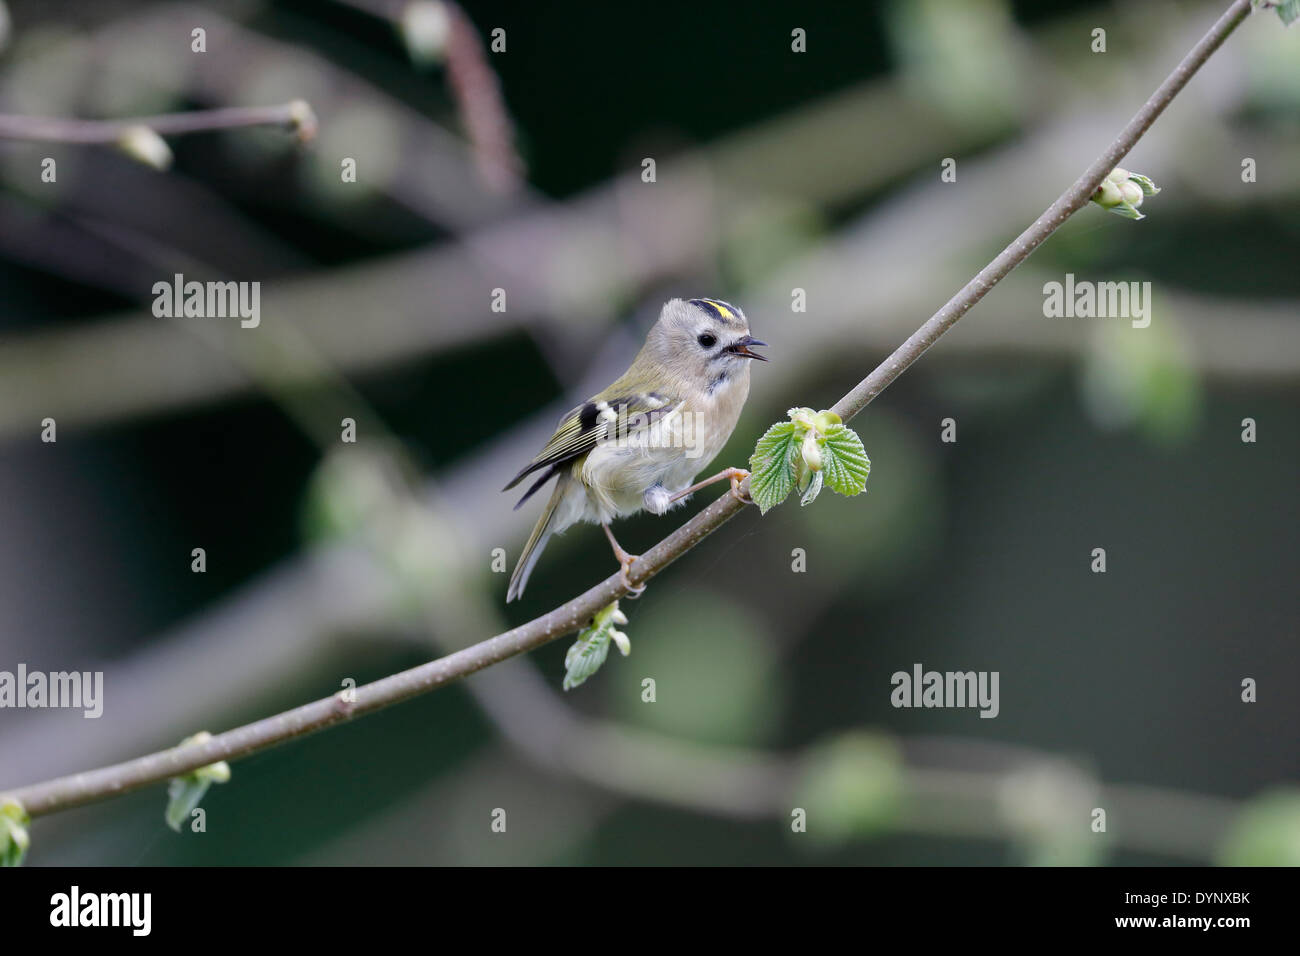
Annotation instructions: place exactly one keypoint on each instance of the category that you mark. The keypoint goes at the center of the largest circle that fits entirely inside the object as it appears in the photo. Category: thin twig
(443, 32)
(1260, 347)
(94, 785)
(1066, 205)
(295, 115)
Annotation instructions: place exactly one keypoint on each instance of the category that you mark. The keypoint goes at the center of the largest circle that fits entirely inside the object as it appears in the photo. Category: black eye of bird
(707, 339)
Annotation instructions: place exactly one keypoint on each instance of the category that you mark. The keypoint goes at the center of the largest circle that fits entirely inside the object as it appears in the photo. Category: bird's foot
(737, 475)
(625, 562)
(633, 590)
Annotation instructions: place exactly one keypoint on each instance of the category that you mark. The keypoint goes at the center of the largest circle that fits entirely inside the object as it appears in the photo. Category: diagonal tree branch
(295, 116)
(1066, 205)
(65, 792)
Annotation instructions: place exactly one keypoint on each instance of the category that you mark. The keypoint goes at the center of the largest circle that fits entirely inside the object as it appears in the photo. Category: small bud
(618, 617)
(145, 146)
(621, 641)
(302, 120)
(14, 839)
(426, 29)
(218, 772)
(803, 416)
(826, 419)
(1131, 192)
(812, 451)
(1107, 195)
(1122, 192)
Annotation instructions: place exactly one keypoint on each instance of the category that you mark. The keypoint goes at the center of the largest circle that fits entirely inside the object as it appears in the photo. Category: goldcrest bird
(639, 443)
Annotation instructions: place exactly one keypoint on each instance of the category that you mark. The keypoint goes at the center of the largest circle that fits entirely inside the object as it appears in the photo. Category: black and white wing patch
(589, 425)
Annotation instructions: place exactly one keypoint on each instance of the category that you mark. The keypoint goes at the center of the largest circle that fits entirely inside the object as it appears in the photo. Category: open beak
(741, 348)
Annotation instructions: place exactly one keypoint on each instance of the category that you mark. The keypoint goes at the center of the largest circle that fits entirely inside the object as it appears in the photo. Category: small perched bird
(640, 442)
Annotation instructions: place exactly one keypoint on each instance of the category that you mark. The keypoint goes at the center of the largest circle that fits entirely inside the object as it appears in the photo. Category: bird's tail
(542, 532)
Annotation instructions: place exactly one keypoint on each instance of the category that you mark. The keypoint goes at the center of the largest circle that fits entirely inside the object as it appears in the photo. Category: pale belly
(666, 458)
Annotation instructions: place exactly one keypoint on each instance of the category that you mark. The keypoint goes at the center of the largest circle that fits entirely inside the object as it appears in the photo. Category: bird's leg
(625, 561)
(735, 475)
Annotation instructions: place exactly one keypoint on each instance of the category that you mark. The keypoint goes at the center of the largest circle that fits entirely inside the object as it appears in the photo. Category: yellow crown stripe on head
(721, 307)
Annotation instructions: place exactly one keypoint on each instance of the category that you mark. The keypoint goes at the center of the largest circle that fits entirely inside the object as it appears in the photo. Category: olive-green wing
(589, 424)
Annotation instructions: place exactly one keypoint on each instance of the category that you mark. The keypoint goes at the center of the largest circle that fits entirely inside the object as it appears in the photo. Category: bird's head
(703, 339)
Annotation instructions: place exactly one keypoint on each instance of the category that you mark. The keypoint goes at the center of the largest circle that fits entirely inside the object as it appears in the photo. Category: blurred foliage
(964, 554)
(964, 57)
(1142, 378)
(715, 671)
(852, 788)
(1267, 833)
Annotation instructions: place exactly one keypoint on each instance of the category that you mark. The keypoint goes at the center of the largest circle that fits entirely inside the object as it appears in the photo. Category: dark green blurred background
(775, 171)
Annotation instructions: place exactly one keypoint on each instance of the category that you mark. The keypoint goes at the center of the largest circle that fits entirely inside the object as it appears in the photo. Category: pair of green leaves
(812, 450)
(592, 646)
(183, 793)
(807, 453)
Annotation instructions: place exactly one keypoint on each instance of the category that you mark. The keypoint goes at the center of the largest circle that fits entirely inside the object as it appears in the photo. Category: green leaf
(185, 792)
(14, 839)
(585, 657)
(1289, 11)
(183, 796)
(845, 461)
(591, 648)
(772, 473)
(1127, 210)
(1148, 187)
(814, 488)
(1266, 832)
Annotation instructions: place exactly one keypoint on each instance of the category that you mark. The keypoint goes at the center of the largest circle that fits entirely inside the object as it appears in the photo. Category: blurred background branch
(295, 116)
(88, 786)
(800, 197)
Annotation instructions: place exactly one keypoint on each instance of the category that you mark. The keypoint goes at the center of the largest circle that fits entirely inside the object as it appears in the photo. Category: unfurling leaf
(771, 468)
(591, 648)
(1127, 210)
(814, 488)
(812, 450)
(1146, 185)
(184, 793)
(845, 463)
